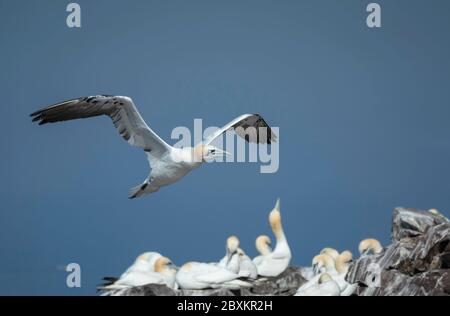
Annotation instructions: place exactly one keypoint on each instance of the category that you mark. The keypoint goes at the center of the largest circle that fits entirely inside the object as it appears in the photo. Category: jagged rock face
(285, 284)
(412, 223)
(149, 290)
(416, 263)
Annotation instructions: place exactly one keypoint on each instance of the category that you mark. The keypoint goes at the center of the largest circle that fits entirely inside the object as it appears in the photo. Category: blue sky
(363, 117)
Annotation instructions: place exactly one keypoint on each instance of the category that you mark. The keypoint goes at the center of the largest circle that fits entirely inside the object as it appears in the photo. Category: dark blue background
(363, 116)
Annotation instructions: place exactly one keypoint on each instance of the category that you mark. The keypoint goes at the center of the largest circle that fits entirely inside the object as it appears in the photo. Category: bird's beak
(220, 152)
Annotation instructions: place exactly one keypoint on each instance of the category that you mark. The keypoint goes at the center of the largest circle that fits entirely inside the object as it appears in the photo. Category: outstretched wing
(121, 110)
(252, 127)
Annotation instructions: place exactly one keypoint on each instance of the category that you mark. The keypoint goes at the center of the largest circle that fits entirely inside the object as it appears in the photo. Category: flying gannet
(325, 286)
(247, 269)
(277, 261)
(231, 260)
(164, 273)
(370, 245)
(199, 276)
(168, 164)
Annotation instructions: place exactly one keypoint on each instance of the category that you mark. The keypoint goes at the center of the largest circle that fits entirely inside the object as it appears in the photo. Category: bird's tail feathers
(142, 190)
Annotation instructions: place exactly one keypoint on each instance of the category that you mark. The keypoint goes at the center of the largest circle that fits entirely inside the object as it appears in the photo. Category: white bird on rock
(331, 252)
(370, 246)
(277, 261)
(325, 286)
(247, 269)
(342, 265)
(199, 276)
(264, 246)
(144, 263)
(231, 259)
(168, 164)
(337, 270)
(164, 273)
(324, 263)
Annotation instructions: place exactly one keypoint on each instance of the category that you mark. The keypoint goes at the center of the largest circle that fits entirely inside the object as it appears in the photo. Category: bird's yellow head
(263, 245)
(206, 153)
(233, 244)
(164, 264)
(343, 261)
(275, 219)
(370, 245)
(331, 252)
(322, 262)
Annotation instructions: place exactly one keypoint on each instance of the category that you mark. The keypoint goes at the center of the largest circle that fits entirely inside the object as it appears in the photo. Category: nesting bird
(331, 252)
(247, 269)
(199, 276)
(164, 273)
(342, 265)
(264, 247)
(231, 259)
(370, 246)
(336, 269)
(168, 164)
(144, 263)
(325, 286)
(273, 263)
(323, 263)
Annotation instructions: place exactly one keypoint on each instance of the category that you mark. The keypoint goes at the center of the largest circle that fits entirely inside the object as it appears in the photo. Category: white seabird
(277, 261)
(370, 245)
(337, 269)
(247, 269)
(231, 260)
(331, 252)
(325, 286)
(199, 276)
(342, 265)
(164, 273)
(168, 164)
(144, 263)
(324, 263)
(264, 246)
(308, 272)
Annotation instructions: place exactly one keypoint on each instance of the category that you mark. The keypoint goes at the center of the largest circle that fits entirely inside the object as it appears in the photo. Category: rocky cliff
(417, 263)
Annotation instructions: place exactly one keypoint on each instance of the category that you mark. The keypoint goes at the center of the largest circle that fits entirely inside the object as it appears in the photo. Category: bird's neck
(264, 251)
(282, 244)
(188, 156)
(341, 267)
(197, 153)
(278, 231)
